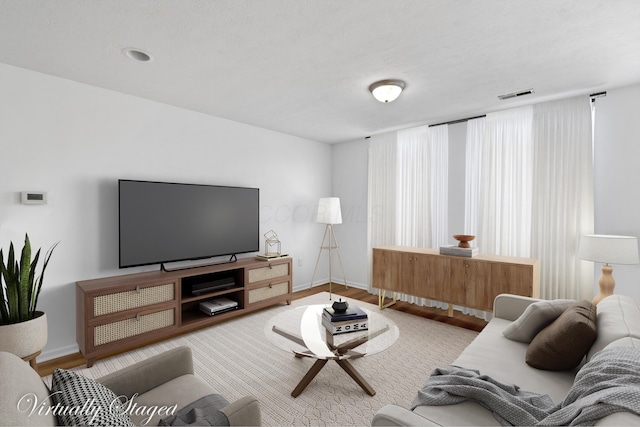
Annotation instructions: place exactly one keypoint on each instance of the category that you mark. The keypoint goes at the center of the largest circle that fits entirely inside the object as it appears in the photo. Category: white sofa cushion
(535, 318)
(504, 360)
(618, 317)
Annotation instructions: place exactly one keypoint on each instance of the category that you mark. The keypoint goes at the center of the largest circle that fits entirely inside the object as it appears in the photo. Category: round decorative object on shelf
(464, 240)
(340, 306)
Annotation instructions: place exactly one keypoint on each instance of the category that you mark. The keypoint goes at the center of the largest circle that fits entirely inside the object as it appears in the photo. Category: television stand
(119, 313)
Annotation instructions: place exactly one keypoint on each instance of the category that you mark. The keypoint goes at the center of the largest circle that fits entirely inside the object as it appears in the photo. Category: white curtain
(504, 208)
(529, 189)
(473, 171)
(562, 196)
(382, 191)
(423, 160)
(381, 197)
(408, 181)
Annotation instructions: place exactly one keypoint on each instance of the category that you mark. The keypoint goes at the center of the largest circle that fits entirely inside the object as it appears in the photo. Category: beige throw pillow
(535, 318)
(562, 345)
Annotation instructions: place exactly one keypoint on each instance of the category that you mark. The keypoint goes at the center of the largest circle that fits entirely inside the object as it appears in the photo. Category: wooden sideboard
(470, 282)
(114, 314)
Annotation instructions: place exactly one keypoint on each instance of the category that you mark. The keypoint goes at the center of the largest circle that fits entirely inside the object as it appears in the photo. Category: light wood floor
(458, 319)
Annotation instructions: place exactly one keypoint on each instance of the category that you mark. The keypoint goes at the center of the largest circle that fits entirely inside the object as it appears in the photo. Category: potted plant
(23, 329)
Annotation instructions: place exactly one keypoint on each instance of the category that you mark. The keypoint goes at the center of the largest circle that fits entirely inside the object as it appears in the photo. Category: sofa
(163, 381)
(617, 323)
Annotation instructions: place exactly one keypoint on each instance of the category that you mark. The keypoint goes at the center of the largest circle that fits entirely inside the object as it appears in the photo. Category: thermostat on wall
(33, 197)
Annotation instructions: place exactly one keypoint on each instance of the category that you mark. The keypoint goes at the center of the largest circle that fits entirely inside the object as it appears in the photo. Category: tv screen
(164, 222)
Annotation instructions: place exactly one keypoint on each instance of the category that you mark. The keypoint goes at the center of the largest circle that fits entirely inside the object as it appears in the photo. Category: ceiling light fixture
(136, 54)
(386, 90)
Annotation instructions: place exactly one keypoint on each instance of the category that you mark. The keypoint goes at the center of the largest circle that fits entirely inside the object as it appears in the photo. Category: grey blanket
(609, 383)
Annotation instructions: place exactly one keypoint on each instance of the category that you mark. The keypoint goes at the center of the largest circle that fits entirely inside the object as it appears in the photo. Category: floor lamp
(329, 213)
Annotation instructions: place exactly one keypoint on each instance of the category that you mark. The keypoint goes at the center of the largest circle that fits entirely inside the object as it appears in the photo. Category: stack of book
(353, 320)
(458, 251)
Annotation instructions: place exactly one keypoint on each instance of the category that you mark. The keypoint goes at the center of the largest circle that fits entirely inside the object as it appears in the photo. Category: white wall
(350, 166)
(617, 181)
(74, 141)
(617, 176)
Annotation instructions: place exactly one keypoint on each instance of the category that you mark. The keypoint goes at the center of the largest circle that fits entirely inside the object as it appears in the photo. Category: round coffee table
(300, 330)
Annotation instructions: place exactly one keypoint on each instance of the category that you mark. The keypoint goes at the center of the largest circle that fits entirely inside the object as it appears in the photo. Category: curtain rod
(453, 122)
(593, 97)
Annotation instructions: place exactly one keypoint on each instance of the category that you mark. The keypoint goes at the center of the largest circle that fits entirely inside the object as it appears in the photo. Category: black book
(352, 313)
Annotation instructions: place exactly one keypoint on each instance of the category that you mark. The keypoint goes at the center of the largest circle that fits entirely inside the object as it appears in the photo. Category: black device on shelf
(215, 285)
(204, 283)
(161, 222)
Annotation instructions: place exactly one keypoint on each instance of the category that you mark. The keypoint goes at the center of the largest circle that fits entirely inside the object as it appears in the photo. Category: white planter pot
(25, 338)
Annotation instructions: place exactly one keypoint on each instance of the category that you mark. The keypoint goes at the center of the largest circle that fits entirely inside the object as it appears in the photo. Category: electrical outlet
(300, 262)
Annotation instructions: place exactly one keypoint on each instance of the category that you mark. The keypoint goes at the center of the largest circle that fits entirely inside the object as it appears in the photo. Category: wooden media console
(115, 314)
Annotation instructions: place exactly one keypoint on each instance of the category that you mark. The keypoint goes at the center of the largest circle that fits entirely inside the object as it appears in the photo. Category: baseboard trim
(337, 285)
(57, 353)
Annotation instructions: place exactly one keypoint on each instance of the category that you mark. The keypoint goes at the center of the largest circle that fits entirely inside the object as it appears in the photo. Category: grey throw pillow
(562, 345)
(84, 402)
(535, 318)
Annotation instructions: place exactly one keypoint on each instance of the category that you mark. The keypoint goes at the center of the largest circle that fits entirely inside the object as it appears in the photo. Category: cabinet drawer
(268, 272)
(267, 292)
(134, 298)
(121, 329)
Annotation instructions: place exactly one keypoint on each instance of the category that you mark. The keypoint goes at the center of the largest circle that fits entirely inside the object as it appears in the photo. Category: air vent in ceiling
(515, 94)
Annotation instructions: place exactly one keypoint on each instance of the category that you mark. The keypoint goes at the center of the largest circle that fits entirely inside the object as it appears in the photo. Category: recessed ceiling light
(137, 54)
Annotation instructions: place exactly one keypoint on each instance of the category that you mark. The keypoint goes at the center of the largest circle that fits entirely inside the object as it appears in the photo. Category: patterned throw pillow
(81, 401)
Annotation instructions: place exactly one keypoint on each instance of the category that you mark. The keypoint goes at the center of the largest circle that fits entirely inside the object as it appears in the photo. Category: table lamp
(329, 213)
(609, 250)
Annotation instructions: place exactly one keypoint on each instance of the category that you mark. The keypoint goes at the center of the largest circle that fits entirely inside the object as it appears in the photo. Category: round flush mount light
(137, 54)
(387, 90)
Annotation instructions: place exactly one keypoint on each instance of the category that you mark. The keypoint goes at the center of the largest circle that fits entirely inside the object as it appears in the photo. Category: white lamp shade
(609, 249)
(329, 211)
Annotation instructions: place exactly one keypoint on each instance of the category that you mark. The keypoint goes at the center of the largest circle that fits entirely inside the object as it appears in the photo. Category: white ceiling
(303, 67)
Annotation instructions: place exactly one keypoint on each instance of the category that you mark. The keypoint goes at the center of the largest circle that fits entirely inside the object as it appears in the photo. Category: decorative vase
(25, 338)
(340, 306)
(464, 240)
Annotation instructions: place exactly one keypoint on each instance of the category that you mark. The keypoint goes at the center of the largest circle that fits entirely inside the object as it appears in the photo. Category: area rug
(237, 359)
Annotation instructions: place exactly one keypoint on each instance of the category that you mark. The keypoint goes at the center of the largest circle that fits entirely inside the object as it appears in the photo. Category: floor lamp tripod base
(332, 245)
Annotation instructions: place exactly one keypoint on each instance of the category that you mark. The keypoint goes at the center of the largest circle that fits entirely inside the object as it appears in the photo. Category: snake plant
(20, 291)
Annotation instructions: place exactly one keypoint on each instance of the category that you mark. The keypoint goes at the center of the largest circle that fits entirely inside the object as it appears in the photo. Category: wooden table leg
(310, 375)
(349, 369)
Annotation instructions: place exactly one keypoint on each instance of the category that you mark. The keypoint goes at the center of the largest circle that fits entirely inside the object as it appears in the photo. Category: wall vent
(515, 94)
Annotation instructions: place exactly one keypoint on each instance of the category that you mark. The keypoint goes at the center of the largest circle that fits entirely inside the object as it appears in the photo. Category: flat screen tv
(161, 222)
